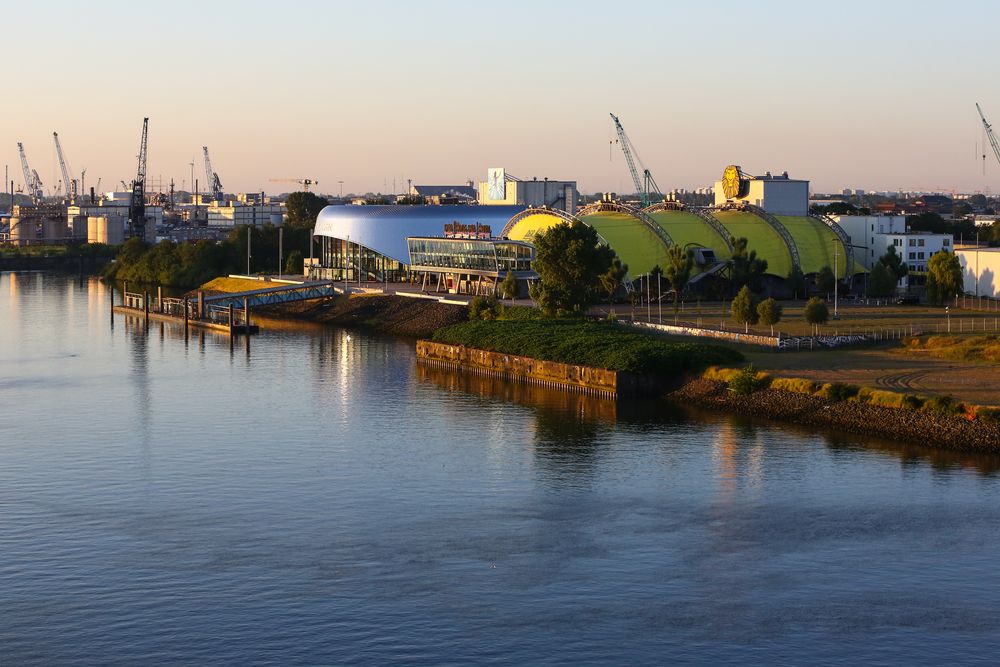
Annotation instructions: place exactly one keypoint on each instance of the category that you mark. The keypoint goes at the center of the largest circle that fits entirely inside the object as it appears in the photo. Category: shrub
(839, 391)
(612, 317)
(482, 308)
(795, 385)
(942, 405)
(912, 402)
(748, 381)
(720, 374)
(988, 413)
(889, 399)
(519, 313)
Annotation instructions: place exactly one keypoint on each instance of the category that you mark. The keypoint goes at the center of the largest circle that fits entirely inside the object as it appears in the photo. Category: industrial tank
(22, 230)
(53, 230)
(109, 230)
(78, 227)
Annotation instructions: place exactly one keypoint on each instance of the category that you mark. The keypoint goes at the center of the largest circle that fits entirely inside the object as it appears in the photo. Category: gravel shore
(919, 428)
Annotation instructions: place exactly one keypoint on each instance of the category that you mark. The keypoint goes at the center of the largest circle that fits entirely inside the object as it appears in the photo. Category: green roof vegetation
(601, 345)
(760, 237)
(687, 229)
(632, 241)
(816, 242)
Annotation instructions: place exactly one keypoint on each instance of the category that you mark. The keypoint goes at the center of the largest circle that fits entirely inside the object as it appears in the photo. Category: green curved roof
(816, 243)
(688, 229)
(633, 242)
(760, 237)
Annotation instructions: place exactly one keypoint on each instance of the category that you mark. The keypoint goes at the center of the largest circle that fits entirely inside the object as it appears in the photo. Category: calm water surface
(324, 500)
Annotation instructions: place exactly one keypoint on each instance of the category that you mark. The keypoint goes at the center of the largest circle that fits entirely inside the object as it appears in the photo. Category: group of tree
(944, 277)
(748, 309)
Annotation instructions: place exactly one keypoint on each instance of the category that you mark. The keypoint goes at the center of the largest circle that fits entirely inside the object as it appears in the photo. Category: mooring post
(187, 304)
(246, 316)
(145, 306)
(111, 302)
(124, 292)
(159, 298)
(201, 305)
(232, 314)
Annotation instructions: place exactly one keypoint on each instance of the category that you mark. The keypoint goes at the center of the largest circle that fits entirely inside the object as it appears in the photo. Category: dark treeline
(188, 265)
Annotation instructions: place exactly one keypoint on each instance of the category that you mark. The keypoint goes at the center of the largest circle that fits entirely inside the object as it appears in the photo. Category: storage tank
(96, 227)
(150, 230)
(78, 227)
(53, 230)
(109, 229)
(22, 230)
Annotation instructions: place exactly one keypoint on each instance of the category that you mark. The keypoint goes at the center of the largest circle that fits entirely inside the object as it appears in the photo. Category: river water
(321, 499)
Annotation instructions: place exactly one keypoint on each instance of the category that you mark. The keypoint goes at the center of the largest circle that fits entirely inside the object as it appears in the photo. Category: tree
(881, 281)
(508, 288)
(796, 281)
(769, 313)
(944, 277)
(894, 262)
(744, 307)
(836, 208)
(746, 268)
(301, 208)
(825, 280)
(612, 279)
(294, 264)
(816, 312)
(678, 269)
(570, 262)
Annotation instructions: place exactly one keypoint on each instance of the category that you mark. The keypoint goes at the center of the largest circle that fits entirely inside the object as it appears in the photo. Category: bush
(483, 308)
(794, 385)
(942, 405)
(839, 391)
(519, 313)
(748, 380)
(720, 374)
(988, 413)
(889, 399)
(911, 402)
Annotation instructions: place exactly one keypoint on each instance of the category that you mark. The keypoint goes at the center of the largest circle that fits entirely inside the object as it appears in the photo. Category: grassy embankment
(601, 345)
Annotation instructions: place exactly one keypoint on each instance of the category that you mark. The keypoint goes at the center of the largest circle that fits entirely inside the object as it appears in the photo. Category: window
(946, 242)
(913, 255)
(897, 242)
(920, 242)
(913, 242)
(920, 255)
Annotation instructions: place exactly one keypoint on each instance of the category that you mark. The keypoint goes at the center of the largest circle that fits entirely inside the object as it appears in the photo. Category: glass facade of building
(480, 256)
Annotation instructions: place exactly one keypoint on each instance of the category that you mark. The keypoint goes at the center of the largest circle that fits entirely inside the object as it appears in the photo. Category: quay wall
(571, 377)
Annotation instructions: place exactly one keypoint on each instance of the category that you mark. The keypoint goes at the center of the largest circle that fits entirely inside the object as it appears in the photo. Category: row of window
(916, 243)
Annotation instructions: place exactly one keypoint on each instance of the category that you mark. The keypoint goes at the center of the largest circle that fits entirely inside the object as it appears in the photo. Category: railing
(135, 300)
(706, 215)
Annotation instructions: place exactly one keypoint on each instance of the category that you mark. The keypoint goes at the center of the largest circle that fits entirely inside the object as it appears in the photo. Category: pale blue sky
(861, 94)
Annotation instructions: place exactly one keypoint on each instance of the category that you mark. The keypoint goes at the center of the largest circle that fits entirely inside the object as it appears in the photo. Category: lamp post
(947, 314)
(836, 280)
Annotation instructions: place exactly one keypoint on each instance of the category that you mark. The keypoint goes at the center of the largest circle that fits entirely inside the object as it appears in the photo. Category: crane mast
(644, 185)
(69, 183)
(32, 182)
(213, 178)
(137, 203)
(989, 133)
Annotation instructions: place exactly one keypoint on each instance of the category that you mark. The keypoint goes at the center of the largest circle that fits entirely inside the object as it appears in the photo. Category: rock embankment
(911, 426)
(402, 316)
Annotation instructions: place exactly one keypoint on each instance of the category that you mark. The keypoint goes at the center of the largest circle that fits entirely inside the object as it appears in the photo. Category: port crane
(645, 186)
(989, 133)
(69, 183)
(32, 182)
(213, 177)
(137, 202)
(304, 182)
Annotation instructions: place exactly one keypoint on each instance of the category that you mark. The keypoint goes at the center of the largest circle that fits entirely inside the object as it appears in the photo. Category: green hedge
(601, 345)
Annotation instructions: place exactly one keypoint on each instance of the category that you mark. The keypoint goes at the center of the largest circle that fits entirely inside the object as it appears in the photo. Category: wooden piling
(232, 315)
(186, 308)
(145, 306)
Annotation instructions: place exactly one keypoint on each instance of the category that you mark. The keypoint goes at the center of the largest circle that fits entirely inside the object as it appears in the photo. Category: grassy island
(601, 345)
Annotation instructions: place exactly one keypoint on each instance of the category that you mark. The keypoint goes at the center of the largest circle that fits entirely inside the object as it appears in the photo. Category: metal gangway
(270, 296)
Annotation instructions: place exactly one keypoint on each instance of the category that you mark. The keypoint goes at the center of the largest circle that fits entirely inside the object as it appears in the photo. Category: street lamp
(948, 315)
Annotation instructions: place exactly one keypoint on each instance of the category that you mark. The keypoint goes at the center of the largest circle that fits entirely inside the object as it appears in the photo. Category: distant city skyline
(872, 96)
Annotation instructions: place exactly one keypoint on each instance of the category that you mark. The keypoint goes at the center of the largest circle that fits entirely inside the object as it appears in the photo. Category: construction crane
(989, 133)
(213, 178)
(69, 183)
(644, 186)
(304, 182)
(137, 203)
(32, 182)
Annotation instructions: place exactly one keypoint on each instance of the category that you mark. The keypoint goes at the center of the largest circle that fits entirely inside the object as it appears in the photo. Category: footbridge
(270, 296)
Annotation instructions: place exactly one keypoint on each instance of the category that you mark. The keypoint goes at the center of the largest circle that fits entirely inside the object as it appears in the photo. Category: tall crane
(69, 183)
(32, 182)
(137, 203)
(989, 133)
(304, 182)
(213, 178)
(644, 186)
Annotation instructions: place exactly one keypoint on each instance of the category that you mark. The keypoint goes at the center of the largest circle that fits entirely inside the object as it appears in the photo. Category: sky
(872, 95)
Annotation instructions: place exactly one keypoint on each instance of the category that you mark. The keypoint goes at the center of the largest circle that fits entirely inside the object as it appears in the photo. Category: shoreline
(897, 424)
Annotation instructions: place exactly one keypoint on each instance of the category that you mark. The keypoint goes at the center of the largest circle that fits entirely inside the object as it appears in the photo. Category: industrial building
(235, 213)
(873, 235)
(980, 271)
(502, 189)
